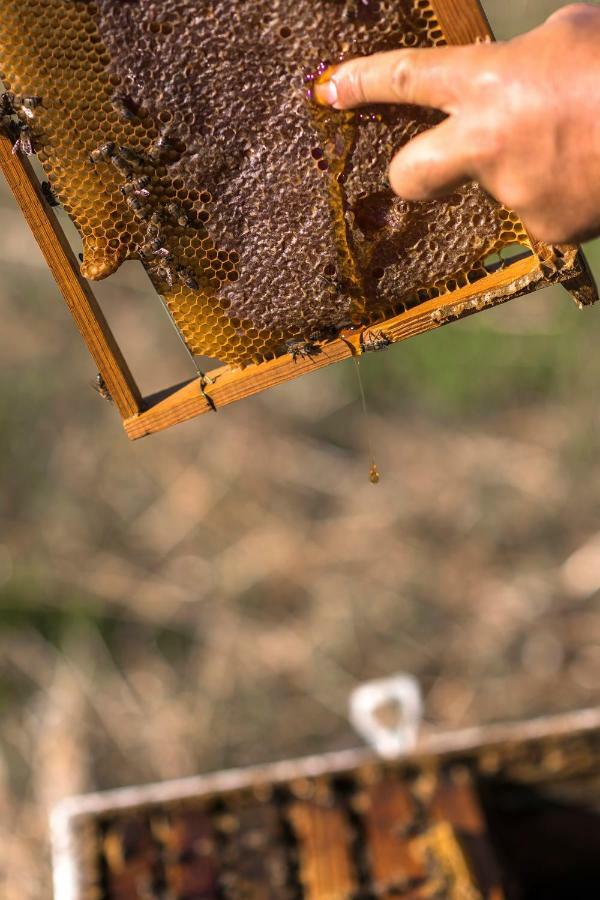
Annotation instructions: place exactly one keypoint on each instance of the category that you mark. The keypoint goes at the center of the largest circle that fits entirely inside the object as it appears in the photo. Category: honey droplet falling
(374, 476)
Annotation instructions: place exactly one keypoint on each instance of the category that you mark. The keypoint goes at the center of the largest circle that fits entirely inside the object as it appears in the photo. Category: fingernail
(326, 93)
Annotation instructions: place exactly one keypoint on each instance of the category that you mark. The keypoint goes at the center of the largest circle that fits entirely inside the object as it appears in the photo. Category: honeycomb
(184, 134)
(350, 837)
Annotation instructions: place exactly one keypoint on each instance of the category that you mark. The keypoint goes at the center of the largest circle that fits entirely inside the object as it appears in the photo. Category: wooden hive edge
(77, 293)
(462, 23)
(186, 402)
(74, 820)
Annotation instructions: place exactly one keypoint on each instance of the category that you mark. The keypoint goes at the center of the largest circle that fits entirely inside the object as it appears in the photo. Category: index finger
(426, 77)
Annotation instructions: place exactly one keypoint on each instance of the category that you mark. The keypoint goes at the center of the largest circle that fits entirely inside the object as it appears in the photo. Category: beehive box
(504, 811)
(191, 143)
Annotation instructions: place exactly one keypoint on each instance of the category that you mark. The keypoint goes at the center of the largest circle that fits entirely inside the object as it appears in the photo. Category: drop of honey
(374, 476)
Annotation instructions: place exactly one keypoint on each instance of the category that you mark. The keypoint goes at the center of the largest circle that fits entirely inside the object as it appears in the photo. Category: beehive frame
(547, 752)
(462, 21)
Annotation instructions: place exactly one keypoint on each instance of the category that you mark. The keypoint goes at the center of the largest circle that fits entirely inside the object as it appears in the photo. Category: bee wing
(100, 389)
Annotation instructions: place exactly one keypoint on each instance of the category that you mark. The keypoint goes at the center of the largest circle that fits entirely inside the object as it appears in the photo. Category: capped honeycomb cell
(183, 134)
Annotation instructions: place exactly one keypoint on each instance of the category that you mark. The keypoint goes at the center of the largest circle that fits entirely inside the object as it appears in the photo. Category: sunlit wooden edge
(460, 741)
(462, 23)
(230, 385)
(77, 293)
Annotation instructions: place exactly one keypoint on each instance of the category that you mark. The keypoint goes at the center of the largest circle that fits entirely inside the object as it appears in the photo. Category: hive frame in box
(550, 752)
(462, 21)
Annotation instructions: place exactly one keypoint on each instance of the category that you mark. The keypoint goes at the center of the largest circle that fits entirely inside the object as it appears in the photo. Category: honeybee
(125, 105)
(204, 380)
(374, 341)
(187, 277)
(137, 206)
(132, 156)
(99, 386)
(301, 349)
(13, 104)
(136, 186)
(103, 152)
(180, 215)
(154, 228)
(154, 247)
(122, 167)
(161, 148)
(121, 157)
(49, 195)
(25, 139)
(326, 332)
(7, 105)
(155, 237)
(28, 104)
(164, 270)
(360, 11)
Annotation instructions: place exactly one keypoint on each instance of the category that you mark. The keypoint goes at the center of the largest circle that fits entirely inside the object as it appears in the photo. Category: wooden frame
(462, 22)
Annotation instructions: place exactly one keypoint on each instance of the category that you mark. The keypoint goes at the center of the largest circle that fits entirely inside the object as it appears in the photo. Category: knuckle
(572, 14)
(486, 144)
(353, 88)
(489, 77)
(408, 177)
(514, 193)
(493, 126)
(402, 76)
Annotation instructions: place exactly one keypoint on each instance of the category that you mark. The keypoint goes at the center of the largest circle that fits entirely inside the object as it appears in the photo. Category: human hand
(523, 120)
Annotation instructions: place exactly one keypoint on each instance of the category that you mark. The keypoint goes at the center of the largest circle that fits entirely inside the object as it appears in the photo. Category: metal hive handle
(366, 703)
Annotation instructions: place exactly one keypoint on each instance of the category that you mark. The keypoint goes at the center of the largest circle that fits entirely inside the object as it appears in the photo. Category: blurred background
(208, 597)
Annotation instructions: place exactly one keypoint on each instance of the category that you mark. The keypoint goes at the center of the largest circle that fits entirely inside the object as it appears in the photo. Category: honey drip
(374, 476)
